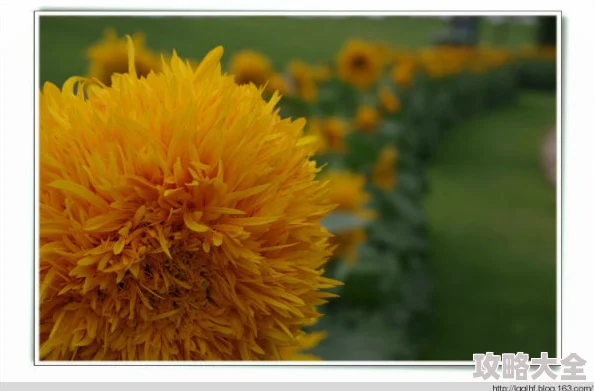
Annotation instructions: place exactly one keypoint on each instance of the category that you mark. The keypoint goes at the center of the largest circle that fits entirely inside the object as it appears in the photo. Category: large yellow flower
(180, 219)
(384, 174)
(359, 63)
(110, 56)
(348, 192)
(249, 66)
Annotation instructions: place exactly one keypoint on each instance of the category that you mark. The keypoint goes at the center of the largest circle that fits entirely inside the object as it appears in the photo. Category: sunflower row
(378, 115)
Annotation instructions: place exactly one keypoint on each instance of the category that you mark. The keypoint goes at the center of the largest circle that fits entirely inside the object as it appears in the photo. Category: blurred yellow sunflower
(309, 92)
(300, 71)
(403, 73)
(304, 79)
(347, 244)
(500, 56)
(330, 133)
(385, 51)
(538, 52)
(402, 54)
(388, 100)
(384, 175)
(348, 192)
(110, 56)
(528, 51)
(454, 60)
(180, 219)
(249, 66)
(367, 118)
(432, 63)
(321, 73)
(278, 83)
(359, 63)
(547, 52)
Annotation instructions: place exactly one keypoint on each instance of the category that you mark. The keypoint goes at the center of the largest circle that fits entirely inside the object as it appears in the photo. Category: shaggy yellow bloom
(110, 56)
(367, 118)
(388, 100)
(249, 66)
(180, 219)
(348, 192)
(359, 63)
(384, 175)
(330, 133)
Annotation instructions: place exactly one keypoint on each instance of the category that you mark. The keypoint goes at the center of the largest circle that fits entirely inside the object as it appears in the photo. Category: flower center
(359, 62)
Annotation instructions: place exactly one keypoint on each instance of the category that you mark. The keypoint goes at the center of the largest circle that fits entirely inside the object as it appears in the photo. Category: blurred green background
(491, 212)
(64, 40)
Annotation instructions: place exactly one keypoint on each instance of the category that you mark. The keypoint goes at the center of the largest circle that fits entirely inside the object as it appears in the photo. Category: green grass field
(491, 213)
(492, 220)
